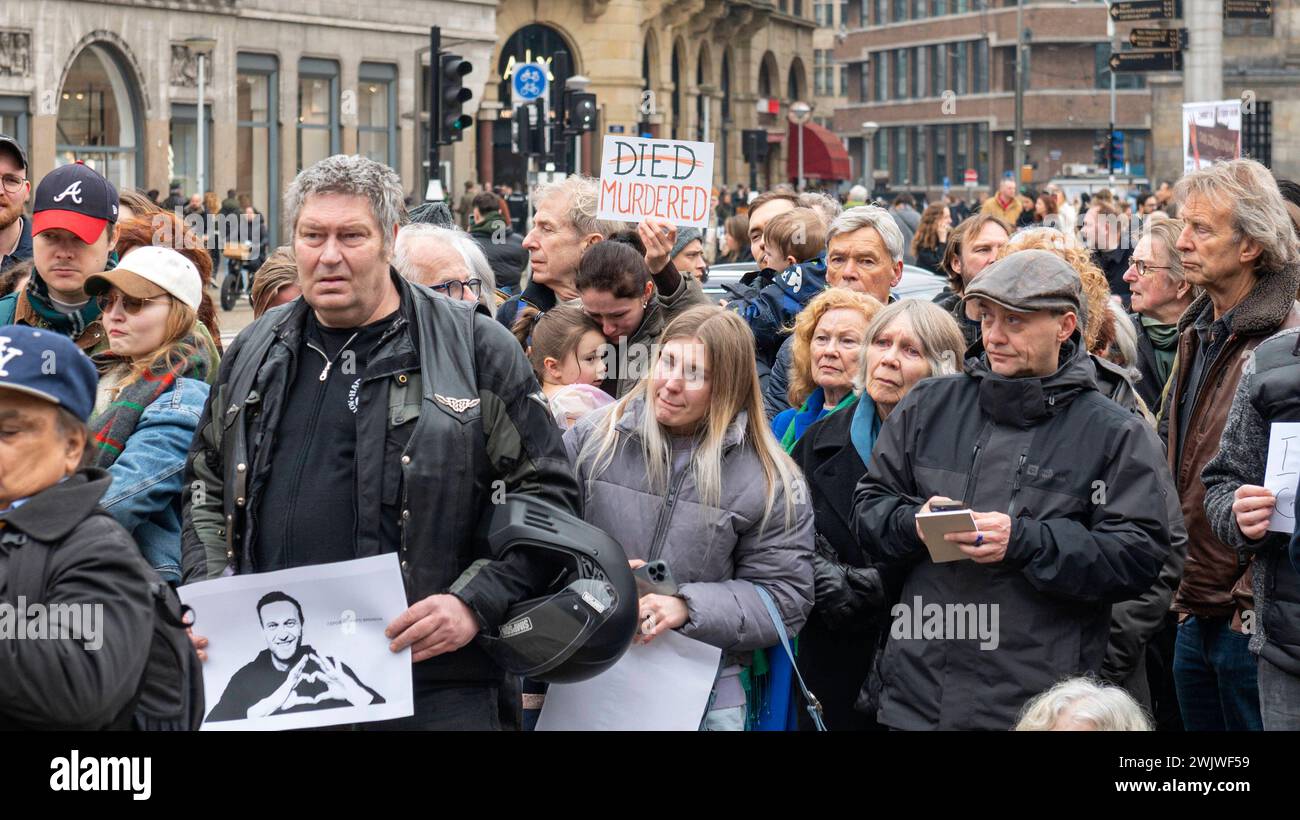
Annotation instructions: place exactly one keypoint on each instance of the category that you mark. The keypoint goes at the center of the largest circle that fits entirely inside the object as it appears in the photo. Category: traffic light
(1116, 152)
(753, 146)
(453, 95)
(581, 115)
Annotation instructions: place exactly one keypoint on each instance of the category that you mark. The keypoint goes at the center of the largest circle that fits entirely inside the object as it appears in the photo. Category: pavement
(232, 321)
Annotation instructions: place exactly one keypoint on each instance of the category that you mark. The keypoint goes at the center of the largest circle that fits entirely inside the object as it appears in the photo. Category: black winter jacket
(448, 406)
(503, 248)
(836, 654)
(60, 683)
(1085, 533)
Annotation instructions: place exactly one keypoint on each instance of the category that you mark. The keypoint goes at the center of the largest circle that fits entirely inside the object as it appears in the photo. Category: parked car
(917, 283)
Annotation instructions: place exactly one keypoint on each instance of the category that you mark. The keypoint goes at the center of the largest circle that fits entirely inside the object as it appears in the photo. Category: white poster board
(1211, 131)
(302, 647)
(1282, 472)
(668, 179)
(660, 686)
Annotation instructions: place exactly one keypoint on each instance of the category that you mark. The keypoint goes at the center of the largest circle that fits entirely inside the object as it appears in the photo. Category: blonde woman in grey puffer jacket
(685, 469)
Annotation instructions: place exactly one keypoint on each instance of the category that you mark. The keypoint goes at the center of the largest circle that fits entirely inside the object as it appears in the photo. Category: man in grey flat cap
(1066, 491)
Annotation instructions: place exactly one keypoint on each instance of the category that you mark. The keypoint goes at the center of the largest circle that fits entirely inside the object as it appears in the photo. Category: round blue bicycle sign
(529, 82)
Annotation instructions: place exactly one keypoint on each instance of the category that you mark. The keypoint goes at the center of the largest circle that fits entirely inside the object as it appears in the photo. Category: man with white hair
(447, 261)
(336, 421)
(1237, 244)
(564, 226)
(864, 252)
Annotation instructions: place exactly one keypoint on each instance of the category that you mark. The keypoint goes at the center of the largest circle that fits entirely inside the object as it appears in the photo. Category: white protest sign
(668, 179)
(661, 686)
(302, 647)
(1282, 472)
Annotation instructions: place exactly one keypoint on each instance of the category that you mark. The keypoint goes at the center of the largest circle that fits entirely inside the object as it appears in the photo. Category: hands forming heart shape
(339, 686)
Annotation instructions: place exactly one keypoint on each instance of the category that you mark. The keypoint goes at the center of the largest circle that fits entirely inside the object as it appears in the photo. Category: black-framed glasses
(1143, 269)
(131, 304)
(12, 183)
(455, 289)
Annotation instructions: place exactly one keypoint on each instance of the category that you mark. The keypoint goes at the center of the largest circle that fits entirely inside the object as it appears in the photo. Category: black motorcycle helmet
(584, 620)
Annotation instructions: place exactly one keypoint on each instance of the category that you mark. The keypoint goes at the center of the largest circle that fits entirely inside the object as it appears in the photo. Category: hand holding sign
(1253, 506)
(658, 237)
(668, 179)
(1281, 474)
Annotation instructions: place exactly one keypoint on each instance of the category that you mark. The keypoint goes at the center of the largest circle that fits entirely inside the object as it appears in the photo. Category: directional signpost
(1247, 9)
(1146, 61)
(1126, 11)
(1162, 38)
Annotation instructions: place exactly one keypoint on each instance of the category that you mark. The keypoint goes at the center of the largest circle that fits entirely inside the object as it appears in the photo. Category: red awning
(824, 156)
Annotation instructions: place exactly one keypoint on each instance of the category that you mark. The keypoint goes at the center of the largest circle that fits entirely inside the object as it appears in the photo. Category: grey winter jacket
(717, 555)
(1089, 528)
(1267, 393)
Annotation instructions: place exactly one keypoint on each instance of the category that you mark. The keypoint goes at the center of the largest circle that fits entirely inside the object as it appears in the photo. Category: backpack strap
(814, 706)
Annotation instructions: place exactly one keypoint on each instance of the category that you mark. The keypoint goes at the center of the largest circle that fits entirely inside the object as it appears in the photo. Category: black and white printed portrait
(289, 676)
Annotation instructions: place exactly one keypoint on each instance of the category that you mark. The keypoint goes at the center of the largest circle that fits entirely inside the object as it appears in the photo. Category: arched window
(99, 116)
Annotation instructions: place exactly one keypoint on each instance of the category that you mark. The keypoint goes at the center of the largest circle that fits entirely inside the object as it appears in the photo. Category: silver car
(917, 283)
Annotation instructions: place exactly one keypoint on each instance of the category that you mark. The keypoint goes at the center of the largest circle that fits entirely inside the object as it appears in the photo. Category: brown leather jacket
(1216, 582)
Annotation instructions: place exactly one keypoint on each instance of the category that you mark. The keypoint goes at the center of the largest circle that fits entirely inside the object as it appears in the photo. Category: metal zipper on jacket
(970, 479)
(1015, 484)
(665, 514)
(324, 374)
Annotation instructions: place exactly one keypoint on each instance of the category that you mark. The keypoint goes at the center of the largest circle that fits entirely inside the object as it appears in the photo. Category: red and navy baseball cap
(76, 198)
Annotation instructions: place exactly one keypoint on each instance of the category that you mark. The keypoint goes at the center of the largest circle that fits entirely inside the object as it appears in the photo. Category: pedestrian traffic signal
(451, 81)
(582, 112)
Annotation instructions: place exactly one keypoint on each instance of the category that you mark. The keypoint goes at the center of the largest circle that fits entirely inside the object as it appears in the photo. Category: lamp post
(201, 46)
(869, 130)
(799, 114)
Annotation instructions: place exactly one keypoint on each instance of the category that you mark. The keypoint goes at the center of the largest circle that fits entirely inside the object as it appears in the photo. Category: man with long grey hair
(447, 261)
(336, 421)
(864, 252)
(1238, 245)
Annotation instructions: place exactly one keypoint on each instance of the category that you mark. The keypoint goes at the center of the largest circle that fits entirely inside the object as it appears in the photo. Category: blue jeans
(1216, 677)
(1279, 698)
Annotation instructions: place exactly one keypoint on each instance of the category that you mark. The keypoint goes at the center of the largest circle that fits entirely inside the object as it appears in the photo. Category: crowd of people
(1098, 400)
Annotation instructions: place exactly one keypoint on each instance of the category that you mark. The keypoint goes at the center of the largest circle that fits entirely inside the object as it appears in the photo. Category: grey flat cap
(1026, 281)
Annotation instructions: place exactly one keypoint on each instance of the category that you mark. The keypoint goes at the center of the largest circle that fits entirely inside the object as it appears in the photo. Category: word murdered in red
(668, 179)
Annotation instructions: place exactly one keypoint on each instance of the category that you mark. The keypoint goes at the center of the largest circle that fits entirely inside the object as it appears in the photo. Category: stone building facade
(114, 83)
(685, 69)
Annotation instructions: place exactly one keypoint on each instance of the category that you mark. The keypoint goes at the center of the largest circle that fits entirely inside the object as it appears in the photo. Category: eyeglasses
(130, 304)
(12, 183)
(1143, 269)
(455, 289)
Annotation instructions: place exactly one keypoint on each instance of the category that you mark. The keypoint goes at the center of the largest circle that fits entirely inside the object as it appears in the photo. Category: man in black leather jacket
(368, 417)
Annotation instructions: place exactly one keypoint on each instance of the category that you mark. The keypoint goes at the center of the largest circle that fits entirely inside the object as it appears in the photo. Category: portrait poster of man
(303, 647)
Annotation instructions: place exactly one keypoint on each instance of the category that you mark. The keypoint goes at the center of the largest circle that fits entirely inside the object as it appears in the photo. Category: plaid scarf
(71, 325)
(117, 423)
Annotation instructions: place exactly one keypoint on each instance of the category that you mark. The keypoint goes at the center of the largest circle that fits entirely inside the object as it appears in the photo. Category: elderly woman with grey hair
(904, 343)
(1159, 294)
(864, 252)
(447, 261)
(1083, 705)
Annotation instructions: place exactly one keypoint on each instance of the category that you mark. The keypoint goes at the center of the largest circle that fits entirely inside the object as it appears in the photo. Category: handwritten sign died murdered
(668, 179)
(1282, 473)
